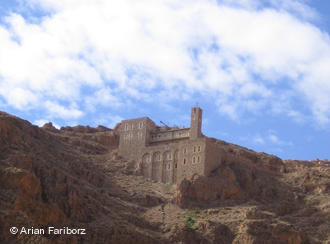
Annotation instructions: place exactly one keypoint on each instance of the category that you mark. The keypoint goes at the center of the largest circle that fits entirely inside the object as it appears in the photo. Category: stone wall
(191, 158)
(160, 162)
(134, 135)
(214, 156)
(169, 135)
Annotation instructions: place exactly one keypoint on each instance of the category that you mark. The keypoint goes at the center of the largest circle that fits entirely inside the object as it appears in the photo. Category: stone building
(168, 154)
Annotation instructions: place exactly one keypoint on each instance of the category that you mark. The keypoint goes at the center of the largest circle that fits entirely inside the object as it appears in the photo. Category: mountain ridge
(74, 177)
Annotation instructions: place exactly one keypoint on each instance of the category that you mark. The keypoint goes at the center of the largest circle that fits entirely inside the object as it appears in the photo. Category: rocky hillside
(73, 178)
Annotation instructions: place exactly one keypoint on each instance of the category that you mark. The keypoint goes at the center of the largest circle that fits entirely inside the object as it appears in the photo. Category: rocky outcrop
(223, 185)
(232, 181)
(261, 231)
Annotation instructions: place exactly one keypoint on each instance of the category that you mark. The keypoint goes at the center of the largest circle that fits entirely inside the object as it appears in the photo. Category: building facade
(167, 154)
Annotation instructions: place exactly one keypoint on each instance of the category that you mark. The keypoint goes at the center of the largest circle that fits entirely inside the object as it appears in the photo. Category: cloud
(258, 140)
(104, 97)
(241, 54)
(269, 139)
(63, 111)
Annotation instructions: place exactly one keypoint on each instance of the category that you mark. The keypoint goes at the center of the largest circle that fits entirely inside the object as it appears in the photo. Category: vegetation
(191, 218)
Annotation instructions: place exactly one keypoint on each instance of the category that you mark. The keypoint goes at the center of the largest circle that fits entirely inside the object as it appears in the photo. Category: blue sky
(260, 70)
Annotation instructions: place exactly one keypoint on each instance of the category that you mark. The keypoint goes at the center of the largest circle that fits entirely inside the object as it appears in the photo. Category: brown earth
(74, 178)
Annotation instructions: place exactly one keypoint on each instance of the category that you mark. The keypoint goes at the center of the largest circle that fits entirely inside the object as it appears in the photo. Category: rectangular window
(199, 148)
(194, 148)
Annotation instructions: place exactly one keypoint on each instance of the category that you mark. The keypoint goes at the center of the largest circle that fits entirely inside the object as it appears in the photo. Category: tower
(196, 123)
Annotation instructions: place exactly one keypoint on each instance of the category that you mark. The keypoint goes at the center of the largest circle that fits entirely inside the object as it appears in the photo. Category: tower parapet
(196, 123)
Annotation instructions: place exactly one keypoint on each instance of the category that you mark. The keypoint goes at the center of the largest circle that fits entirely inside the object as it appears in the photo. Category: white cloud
(274, 139)
(258, 140)
(18, 97)
(89, 53)
(104, 97)
(270, 139)
(63, 112)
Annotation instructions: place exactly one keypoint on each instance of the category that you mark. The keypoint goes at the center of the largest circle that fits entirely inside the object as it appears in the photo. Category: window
(184, 161)
(194, 148)
(132, 126)
(193, 159)
(169, 166)
(198, 159)
(199, 148)
(126, 126)
(185, 150)
(156, 156)
(176, 165)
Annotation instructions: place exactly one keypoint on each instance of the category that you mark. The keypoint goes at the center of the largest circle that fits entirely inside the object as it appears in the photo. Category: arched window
(176, 155)
(194, 148)
(146, 158)
(198, 159)
(156, 156)
(184, 161)
(193, 159)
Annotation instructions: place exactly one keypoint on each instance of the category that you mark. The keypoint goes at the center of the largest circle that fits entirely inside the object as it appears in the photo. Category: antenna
(163, 123)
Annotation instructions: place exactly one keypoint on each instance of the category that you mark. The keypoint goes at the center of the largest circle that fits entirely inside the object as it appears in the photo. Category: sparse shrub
(191, 218)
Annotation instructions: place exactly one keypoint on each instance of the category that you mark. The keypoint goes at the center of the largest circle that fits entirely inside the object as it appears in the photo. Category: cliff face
(73, 178)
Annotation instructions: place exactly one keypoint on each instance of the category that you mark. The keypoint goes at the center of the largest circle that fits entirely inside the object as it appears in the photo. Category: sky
(260, 70)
